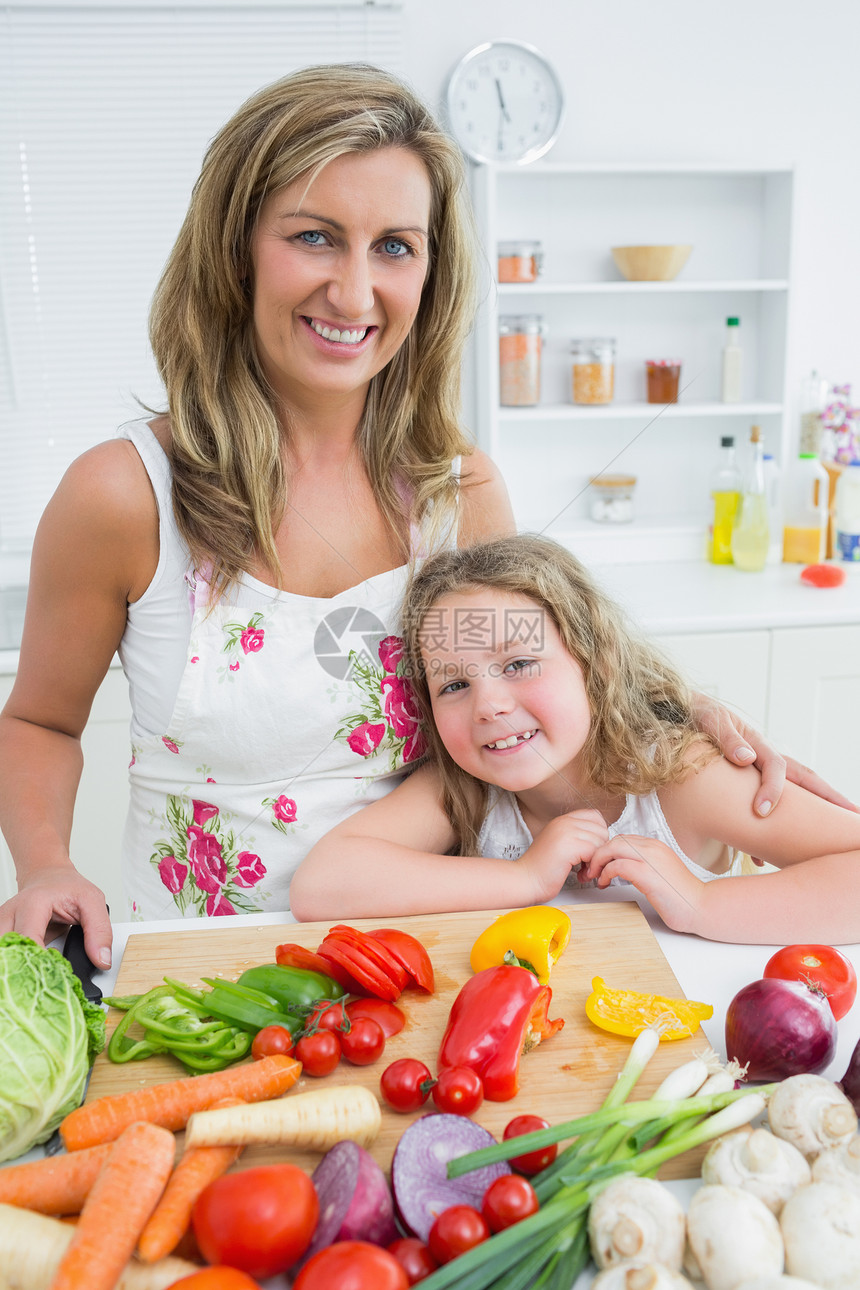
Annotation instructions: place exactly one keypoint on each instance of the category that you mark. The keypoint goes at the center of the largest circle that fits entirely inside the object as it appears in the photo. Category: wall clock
(504, 103)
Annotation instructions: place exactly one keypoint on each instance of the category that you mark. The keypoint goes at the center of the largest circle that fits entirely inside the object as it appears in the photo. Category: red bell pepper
(500, 1013)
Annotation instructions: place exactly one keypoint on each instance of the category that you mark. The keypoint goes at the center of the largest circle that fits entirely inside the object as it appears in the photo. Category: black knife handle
(80, 961)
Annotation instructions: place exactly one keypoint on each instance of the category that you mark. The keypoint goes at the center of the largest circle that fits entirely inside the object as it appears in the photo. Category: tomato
(405, 1084)
(218, 1278)
(259, 1220)
(328, 1016)
(352, 1265)
(411, 953)
(389, 1016)
(822, 575)
(364, 1042)
(414, 1257)
(319, 1053)
(458, 1090)
(530, 1162)
(271, 1040)
(456, 1230)
(508, 1200)
(376, 951)
(817, 965)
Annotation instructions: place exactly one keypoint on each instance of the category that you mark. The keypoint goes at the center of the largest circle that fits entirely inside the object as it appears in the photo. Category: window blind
(105, 113)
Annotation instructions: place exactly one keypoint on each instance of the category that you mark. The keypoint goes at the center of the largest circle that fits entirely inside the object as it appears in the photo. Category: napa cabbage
(49, 1035)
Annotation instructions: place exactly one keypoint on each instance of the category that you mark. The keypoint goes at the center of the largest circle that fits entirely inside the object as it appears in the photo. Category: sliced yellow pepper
(535, 936)
(627, 1012)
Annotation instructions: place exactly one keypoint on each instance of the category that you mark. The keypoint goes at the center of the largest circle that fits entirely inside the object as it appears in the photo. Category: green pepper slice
(291, 986)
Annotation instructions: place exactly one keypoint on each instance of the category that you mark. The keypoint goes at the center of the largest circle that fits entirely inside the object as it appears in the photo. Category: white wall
(693, 80)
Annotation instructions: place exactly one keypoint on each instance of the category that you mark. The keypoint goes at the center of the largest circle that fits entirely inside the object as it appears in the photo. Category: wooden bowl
(651, 263)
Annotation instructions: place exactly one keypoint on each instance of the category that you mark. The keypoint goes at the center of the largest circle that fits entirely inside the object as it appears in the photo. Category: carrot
(32, 1245)
(55, 1185)
(316, 1120)
(171, 1104)
(171, 1217)
(117, 1208)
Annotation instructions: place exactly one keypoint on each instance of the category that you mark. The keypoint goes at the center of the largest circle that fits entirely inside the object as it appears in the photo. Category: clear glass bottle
(725, 495)
(813, 400)
(733, 363)
(520, 343)
(593, 370)
(750, 533)
(773, 492)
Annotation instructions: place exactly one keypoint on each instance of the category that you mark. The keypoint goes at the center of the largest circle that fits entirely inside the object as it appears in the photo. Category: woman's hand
(744, 745)
(656, 871)
(563, 844)
(52, 900)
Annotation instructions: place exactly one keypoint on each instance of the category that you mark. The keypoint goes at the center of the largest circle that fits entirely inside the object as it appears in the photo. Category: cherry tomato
(319, 1053)
(414, 1257)
(405, 1084)
(389, 1016)
(328, 1016)
(508, 1200)
(823, 575)
(458, 1090)
(411, 954)
(530, 1162)
(259, 1220)
(352, 1265)
(456, 1230)
(364, 1042)
(270, 1041)
(218, 1278)
(817, 965)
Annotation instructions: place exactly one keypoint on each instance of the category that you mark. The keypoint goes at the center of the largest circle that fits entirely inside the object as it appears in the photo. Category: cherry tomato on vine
(458, 1090)
(530, 1162)
(414, 1257)
(508, 1200)
(318, 1053)
(270, 1041)
(364, 1042)
(817, 965)
(456, 1230)
(328, 1016)
(352, 1265)
(259, 1220)
(405, 1084)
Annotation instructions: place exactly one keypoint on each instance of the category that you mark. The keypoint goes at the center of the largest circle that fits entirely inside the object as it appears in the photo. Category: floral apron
(288, 718)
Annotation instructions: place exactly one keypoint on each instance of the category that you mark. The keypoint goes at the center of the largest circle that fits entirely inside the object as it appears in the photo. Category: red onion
(780, 1028)
(850, 1082)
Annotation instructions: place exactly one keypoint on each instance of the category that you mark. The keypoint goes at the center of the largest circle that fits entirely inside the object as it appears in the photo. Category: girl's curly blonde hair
(642, 724)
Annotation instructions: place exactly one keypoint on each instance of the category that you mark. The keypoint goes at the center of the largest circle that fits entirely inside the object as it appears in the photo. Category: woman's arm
(485, 507)
(96, 548)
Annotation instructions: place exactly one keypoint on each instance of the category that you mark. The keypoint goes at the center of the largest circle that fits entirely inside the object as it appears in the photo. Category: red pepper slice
(386, 1014)
(499, 1014)
(340, 973)
(376, 952)
(411, 953)
(297, 956)
(369, 977)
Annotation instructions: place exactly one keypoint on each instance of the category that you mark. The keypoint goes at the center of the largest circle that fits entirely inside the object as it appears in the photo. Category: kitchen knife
(83, 968)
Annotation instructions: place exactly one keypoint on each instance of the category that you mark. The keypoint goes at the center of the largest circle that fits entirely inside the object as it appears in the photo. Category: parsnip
(315, 1120)
(32, 1245)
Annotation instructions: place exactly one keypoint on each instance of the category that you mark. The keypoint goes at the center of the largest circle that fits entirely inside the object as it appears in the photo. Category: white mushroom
(840, 1165)
(639, 1274)
(821, 1230)
(733, 1236)
(758, 1161)
(778, 1283)
(636, 1217)
(811, 1113)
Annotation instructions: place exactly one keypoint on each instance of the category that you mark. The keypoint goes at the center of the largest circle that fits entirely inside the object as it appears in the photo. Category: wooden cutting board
(567, 1076)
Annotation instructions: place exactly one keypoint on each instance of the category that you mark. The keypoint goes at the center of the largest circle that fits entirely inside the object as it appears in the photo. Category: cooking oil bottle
(751, 532)
(725, 495)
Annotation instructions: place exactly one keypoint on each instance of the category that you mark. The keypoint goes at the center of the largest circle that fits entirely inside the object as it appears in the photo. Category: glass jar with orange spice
(593, 370)
(520, 342)
(519, 261)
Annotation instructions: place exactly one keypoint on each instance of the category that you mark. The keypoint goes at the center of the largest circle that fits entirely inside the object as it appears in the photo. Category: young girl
(563, 751)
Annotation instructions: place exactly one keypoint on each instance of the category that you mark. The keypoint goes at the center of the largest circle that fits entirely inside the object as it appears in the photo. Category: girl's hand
(53, 900)
(565, 843)
(744, 745)
(655, 870)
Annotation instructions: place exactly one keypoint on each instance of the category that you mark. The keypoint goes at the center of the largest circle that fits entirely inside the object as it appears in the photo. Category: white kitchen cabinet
(102, 797)
(814, 701)
(738, 220)
(731, 666)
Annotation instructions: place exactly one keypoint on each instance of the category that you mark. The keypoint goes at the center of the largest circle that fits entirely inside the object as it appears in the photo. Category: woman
(245, 552)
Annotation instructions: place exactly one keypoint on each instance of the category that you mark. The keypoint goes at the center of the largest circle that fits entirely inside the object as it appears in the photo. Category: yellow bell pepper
(535, 937)
(627, 1012)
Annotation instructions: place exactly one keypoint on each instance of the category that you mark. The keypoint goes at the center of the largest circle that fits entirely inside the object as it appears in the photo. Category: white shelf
(693, 168)
(638, 288)
(636, 411)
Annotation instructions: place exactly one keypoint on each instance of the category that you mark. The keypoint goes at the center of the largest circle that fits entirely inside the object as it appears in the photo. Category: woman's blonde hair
(229, 483)
(642, 724)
